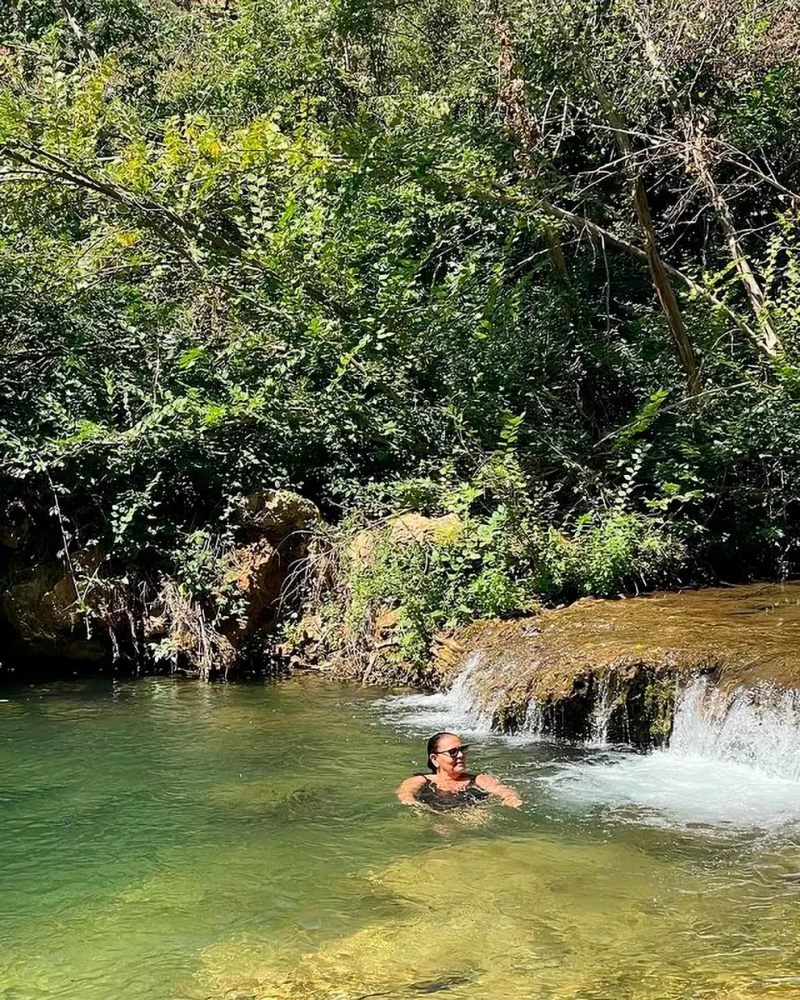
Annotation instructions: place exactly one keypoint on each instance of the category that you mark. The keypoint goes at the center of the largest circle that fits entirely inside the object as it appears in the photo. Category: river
(167, 840)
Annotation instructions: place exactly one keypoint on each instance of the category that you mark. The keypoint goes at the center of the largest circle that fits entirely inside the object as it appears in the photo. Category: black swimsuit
(437, 798)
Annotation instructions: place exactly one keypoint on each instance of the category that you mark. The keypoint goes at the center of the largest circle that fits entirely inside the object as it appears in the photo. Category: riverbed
(166, 840)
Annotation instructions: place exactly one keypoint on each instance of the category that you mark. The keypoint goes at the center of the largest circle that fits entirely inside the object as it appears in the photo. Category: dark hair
(433, 746)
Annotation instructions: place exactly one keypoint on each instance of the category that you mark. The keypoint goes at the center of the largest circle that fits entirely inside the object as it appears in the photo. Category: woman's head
(446, 753)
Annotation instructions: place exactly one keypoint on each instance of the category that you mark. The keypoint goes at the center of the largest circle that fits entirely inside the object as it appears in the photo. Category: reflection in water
(166, 841)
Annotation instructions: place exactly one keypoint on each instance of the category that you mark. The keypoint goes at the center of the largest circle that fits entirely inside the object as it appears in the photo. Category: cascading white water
(601, 712)
(533, 723)
(455, 709)
(733, 761)
(757, 726)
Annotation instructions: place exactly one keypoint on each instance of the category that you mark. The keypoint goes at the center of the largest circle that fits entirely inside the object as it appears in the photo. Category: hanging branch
(168, 223)
(699, 154)
(156, 216)
(767, 341)
(581, 223)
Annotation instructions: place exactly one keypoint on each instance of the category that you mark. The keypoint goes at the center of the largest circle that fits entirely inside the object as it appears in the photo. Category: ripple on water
(175, 841)
(734, 765)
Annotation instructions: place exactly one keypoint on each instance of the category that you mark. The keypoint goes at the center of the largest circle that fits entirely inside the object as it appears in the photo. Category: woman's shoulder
(416, 780)
(484, 780)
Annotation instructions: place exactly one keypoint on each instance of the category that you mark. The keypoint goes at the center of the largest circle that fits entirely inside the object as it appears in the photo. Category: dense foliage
(535, 263)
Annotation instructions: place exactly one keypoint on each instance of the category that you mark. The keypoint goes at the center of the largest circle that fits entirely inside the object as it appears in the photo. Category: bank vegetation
(525, 272)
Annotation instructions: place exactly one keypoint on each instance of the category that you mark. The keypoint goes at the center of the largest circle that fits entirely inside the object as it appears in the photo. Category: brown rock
(43, 608)
(278, 515)
(406, 529)
(415, 527)
(631, 651)
(278, 526)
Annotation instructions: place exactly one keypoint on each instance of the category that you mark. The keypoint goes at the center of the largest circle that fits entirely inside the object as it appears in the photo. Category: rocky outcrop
(274, 529)
(85, 609)
(612, 665)
(404, 529)
(47, 614)
(229, 628)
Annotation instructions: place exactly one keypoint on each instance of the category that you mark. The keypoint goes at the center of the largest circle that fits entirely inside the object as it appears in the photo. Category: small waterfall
(604, 703)
(757, 726)
(733, 763)
(533, 724)
(464, 696)
(461, 708)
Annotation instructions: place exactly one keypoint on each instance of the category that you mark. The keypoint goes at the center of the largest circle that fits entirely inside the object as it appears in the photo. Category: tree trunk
(767, 339)
(663, 286)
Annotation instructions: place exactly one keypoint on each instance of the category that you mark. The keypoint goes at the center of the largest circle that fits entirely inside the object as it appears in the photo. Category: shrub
(497, 564)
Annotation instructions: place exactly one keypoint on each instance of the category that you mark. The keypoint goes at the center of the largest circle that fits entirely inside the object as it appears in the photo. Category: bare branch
(581, 223)
(80, 35)
(659, 274)
(699, 158)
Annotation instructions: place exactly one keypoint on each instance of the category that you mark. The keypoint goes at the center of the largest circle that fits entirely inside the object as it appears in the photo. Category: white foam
(668, 789)
(758, 726)
(733, 761)
(453, 709)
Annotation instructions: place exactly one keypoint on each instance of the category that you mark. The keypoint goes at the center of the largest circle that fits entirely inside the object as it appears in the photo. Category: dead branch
(581, 223)
(660, 275)
(699, 158)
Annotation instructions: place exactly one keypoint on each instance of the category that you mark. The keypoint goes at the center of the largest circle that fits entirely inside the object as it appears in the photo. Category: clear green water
(163, 840)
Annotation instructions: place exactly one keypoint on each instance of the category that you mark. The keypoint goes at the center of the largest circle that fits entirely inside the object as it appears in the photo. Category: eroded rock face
(44, 609)
(405, 529)
(280, 516)
(77, 609)
(618, 660)
(276, 528)
(214, 634)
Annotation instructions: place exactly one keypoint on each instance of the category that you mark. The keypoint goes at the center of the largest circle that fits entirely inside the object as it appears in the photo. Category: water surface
(164, 840)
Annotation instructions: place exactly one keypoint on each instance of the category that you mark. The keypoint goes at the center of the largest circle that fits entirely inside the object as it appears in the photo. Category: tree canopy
(538, 257)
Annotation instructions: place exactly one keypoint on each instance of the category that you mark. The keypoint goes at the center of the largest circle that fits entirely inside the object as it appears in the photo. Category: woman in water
(450, 785)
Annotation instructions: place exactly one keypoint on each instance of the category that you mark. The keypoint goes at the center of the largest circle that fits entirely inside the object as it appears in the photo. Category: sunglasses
(453, 752)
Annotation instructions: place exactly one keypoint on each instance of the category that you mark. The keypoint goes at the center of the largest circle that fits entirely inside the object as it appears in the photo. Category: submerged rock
(614, 664)
(262, 796)
(517, 917)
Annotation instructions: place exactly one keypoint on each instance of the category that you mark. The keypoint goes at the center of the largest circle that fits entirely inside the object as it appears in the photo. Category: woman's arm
(407, 792)
(506, 795)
